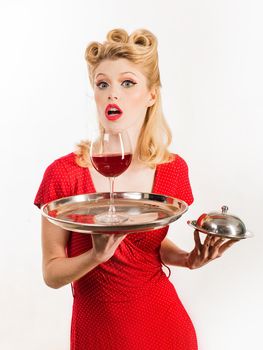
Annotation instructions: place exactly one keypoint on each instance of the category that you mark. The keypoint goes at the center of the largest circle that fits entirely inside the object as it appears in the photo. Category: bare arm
(58, 269)
(212, 248)
(173, 255)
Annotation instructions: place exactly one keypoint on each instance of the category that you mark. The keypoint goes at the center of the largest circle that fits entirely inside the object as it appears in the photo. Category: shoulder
(176, 164)
(66, 160)
(179, 160)
(64, 169)
(176, 180)
(66, 163)
(56, 182)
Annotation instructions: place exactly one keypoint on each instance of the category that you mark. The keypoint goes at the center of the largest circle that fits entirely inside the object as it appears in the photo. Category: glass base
(107, 218)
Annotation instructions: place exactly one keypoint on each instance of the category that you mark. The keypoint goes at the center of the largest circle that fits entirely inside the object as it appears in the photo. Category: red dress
(127, 302)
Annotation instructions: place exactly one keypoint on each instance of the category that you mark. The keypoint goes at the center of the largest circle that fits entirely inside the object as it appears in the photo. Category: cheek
(137, 100)
(98, 101)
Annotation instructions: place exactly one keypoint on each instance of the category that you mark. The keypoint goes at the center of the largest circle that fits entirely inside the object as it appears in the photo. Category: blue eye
(126, 83)
(130, 83)
(102, 85)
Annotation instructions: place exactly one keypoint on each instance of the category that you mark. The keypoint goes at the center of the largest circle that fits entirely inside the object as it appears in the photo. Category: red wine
(111, 165)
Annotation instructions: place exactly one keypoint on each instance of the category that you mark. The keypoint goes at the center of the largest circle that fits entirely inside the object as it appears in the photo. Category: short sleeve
(183, 188)
(55, 184)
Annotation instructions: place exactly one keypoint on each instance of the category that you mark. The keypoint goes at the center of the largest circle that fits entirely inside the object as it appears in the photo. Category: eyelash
(104, 82)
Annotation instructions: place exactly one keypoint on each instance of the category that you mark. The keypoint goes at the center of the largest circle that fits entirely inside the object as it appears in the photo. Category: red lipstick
(113, 112)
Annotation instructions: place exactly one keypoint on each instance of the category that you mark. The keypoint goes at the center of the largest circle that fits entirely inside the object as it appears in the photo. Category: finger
(219, 239)
(118, 237)
(219, 242)
(213, 241)
(198, 243)
(208, 240)
(101, 234)
(214, 249)
(227, 245)
(206, 246)
(122, 236)
(100, 237)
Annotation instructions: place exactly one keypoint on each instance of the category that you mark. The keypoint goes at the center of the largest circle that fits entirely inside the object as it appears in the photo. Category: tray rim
(192, 223)
(101, 228)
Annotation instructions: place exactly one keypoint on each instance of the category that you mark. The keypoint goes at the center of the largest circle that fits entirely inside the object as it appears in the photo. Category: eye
(128, 83)
(102, 85)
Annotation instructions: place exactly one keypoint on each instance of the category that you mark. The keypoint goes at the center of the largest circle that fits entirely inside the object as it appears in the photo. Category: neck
(134, 133)
(134, 136)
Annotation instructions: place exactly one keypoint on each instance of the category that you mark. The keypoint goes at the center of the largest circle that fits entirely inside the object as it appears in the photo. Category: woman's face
(121, 94)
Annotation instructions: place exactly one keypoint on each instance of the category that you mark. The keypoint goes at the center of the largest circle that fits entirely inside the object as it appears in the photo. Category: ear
(153, 97)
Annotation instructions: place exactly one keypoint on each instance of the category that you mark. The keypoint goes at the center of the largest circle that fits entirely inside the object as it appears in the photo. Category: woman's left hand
(212, 248)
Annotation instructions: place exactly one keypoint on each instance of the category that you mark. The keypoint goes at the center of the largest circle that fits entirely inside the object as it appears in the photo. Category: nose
(112, 97)
(112, 94)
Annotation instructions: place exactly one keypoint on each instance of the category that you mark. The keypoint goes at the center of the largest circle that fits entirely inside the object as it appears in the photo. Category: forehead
(117, 67)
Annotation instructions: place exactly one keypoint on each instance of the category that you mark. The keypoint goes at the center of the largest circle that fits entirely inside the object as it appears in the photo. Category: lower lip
(113, 117)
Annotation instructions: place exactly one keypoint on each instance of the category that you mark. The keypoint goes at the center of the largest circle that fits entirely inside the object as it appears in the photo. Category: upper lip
(109, 106)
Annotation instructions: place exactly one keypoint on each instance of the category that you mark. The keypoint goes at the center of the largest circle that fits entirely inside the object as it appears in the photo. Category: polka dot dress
(127, 302)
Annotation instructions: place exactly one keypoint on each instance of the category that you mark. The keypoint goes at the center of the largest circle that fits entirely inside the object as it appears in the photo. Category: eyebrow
(120, 74)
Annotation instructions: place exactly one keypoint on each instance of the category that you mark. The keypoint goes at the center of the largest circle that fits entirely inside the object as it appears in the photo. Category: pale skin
(122, 83)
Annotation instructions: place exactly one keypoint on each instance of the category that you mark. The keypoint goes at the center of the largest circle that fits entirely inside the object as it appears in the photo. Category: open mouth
(113, 112)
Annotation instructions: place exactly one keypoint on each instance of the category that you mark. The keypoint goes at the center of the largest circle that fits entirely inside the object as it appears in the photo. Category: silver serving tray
(146, 211)
(247, 234)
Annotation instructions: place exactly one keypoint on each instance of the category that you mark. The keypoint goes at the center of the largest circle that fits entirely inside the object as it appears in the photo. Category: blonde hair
(140, 48)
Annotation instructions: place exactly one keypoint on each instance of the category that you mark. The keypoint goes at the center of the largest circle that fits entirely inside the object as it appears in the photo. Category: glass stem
(112, 209)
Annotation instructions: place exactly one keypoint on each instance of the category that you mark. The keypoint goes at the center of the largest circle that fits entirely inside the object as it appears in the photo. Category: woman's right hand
(104, 245)
(58, 268)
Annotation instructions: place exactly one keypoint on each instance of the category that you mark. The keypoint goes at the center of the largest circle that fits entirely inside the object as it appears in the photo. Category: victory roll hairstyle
(140, 48)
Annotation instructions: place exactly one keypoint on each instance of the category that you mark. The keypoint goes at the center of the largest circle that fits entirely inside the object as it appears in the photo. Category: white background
(211, 70)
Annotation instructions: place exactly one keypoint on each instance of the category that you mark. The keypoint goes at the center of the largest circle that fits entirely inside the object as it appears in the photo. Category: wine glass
(111, 155)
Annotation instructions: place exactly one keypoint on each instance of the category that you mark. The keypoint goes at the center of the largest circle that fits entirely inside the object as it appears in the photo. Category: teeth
(114, 110)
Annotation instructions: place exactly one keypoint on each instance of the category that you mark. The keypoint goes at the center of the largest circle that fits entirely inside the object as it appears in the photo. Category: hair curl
(141, 49)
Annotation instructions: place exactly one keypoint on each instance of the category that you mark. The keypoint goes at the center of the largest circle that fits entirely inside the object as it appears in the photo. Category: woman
(122, 297)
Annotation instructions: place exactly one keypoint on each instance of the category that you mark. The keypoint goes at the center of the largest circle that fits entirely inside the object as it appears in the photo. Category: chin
(120, 124)
(111, 126)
